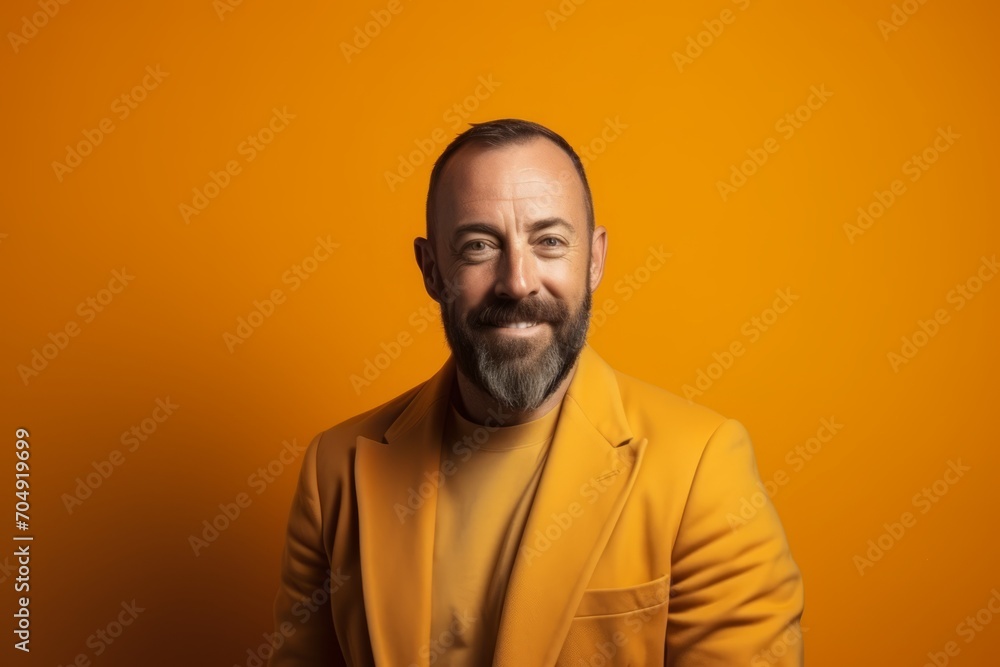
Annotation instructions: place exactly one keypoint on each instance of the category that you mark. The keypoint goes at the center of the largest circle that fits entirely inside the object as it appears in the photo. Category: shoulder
(654, 411)
(335, 446)
(678, 431)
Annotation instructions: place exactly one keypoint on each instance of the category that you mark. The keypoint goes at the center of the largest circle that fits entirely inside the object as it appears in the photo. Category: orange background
(680, 129)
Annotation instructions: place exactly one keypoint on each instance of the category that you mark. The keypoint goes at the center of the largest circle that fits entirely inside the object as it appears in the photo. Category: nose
(518, 275)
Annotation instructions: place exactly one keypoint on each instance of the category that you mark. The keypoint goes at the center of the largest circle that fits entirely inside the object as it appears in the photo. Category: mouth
(515, 325)
(521, 328)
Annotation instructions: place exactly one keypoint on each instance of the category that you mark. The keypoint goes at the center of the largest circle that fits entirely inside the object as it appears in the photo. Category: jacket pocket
(619, 627)
(610, 601)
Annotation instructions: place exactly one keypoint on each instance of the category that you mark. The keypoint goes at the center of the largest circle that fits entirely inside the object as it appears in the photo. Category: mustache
(501, 312)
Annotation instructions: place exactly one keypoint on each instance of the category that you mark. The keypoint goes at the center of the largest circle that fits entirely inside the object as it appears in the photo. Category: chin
(513, 350)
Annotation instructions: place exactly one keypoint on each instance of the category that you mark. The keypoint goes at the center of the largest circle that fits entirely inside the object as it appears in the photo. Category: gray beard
(512, 371)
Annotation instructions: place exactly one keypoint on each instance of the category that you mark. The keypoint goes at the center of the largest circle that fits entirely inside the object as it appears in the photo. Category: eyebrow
(533, 227)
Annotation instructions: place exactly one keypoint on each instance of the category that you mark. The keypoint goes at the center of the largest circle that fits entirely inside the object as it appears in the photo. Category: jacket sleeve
(303, 623)
(736, 593)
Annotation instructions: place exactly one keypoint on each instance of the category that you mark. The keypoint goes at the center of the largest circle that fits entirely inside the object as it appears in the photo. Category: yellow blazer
(638, 549)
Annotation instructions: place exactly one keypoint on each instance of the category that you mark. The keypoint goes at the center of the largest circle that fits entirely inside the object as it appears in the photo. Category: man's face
(513, 249)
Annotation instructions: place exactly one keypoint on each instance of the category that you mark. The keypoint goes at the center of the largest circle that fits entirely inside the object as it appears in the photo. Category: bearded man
(529, 504)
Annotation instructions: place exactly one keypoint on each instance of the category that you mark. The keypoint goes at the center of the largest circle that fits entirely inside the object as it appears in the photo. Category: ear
(424, 254)
(598, 251)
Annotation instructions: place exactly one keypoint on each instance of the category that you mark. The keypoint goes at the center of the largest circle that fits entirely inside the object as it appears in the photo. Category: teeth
(518, 325)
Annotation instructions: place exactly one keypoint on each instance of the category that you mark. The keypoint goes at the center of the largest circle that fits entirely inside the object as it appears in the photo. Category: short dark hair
(503, 132)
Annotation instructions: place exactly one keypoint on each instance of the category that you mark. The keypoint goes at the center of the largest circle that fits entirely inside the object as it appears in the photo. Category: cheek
(473, 285)
(566, 280)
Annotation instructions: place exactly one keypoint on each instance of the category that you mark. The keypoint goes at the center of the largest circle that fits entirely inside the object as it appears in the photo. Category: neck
(477, 406)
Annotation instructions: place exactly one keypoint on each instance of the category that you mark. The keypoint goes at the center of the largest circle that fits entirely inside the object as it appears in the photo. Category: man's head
(511, 242)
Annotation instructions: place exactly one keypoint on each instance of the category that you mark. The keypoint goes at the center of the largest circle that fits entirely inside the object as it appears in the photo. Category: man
(528, 504)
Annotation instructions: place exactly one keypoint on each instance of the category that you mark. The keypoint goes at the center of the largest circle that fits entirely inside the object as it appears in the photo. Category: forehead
(536, 179)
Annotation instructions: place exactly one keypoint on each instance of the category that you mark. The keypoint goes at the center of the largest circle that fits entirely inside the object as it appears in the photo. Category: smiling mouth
(516, 325)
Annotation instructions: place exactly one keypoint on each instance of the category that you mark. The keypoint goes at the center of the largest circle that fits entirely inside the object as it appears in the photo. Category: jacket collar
(593, 387)
(396, 485)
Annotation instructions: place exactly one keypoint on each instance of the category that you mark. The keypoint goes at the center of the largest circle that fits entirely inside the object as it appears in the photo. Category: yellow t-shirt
(489, 475)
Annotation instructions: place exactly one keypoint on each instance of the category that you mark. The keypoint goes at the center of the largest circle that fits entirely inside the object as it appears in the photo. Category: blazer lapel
(591, 467)
(396, 485)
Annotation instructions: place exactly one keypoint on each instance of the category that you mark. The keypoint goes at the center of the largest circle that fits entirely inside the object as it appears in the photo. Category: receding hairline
(489, 143)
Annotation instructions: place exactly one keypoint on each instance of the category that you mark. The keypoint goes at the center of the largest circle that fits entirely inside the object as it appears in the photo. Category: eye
(477, 247)
(555, 242)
